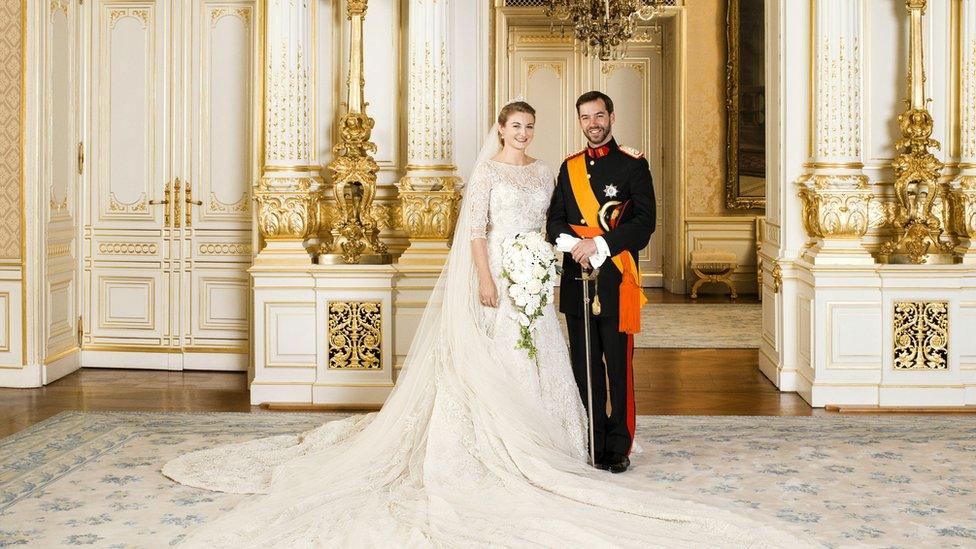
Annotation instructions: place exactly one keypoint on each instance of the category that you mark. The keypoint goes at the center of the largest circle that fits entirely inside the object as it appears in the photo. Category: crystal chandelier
(602, 27)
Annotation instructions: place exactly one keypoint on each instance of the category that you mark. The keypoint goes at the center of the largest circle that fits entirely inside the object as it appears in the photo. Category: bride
(477, 444)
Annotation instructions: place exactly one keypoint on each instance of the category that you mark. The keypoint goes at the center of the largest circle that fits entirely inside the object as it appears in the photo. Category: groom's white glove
(565, 243)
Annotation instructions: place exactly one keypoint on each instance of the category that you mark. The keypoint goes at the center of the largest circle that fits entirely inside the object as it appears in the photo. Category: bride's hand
(488, 293)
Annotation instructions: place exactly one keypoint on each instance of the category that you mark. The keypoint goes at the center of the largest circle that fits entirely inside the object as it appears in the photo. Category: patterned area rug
(93, 478)
(700, 325)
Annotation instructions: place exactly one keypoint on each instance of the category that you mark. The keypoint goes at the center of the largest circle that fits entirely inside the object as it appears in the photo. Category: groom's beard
(598, 138)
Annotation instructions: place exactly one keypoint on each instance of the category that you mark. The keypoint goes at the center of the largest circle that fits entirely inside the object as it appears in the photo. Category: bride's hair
(507, 110)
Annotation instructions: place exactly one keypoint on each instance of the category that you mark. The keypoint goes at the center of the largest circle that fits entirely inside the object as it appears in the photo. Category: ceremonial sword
(586, 277)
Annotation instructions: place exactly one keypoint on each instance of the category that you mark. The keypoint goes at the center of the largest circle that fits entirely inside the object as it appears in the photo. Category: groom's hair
(593, 96)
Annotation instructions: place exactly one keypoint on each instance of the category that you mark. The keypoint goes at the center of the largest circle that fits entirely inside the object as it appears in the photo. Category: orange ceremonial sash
(632, 297)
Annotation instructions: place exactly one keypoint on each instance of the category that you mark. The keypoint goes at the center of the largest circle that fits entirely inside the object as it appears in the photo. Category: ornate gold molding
(968, 129)
(141, 205)
(355, 335)
(287, 208)
(58, 250)
(356, 8)
(142, 15)
(918, 226)
(777, 276)
(429, 214)
(214, 205)
(354, 230)
(919, 231)
(388, 216)
(962, 214)
(881, 214)
(836, 206)
(58, 207)
(921, 335)
(59, 6)
(355, 237)
(224, 248)
(127, 248)
(430, 102)
(288, 108)
(839, 100)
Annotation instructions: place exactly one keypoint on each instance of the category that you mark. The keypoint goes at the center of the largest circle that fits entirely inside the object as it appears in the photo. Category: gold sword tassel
(596, 293)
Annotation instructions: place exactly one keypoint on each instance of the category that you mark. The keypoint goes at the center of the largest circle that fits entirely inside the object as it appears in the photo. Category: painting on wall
(746, 106)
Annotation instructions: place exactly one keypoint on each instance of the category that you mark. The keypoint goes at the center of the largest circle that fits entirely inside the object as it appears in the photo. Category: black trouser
(609, 350)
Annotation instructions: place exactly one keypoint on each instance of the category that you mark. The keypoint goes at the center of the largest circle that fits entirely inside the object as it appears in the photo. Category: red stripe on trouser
(631, 406)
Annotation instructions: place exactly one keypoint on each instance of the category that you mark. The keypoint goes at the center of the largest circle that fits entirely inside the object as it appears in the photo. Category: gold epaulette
(630, 151)
(577, 153)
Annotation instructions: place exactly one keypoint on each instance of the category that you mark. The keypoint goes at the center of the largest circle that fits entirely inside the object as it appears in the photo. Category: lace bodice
(506, 198)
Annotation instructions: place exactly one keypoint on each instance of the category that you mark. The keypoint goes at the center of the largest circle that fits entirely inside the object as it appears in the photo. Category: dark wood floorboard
(666, 381)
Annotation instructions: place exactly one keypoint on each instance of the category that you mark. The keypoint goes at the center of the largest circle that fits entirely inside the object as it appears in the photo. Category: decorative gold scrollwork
(356, 7)
(962, 199)
(355, 335)
(354, 232)
(429, 214)
(921, 335)
(836, 206)
(777, 275)
(286, 208)
(919, 230)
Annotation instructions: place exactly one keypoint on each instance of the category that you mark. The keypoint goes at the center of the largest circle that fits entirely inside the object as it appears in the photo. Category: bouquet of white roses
(529, 266)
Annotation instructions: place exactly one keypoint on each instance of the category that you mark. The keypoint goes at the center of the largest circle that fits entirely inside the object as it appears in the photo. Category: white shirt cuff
(602, 252)
(601, 246)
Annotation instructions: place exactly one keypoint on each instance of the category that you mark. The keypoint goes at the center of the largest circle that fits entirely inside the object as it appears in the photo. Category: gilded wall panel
(921, 335)
(355, 335)
(11, 126)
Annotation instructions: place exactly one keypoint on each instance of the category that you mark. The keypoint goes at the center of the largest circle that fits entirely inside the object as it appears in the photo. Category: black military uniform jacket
(621, 174)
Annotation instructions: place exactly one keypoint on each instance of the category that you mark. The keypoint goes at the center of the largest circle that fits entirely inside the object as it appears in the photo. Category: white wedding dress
(477, 445)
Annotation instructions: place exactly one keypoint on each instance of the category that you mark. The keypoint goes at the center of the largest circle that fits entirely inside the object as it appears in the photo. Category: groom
(603, 213)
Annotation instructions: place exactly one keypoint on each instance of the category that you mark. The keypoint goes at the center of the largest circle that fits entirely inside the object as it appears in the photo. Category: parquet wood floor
(666, 381)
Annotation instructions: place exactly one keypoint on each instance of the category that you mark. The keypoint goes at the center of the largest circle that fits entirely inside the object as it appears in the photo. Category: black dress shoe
(601, 462)
(617, 463)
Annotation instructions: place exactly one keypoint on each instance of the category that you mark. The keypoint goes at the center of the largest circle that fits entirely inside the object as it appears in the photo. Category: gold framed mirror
(745, 104)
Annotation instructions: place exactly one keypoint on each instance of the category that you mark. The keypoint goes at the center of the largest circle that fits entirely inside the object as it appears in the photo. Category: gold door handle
(165, 201)
(81, 157)
(190, 202)
(177, 207)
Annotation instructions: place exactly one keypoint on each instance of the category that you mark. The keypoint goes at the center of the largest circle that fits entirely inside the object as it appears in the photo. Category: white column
(964, 186)
(788, 142)
(428, 190)
(288, 192)
(836, 194)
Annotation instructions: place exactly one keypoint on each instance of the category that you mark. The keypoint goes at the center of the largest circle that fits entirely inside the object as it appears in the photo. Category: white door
(164, 277)
(220, 167)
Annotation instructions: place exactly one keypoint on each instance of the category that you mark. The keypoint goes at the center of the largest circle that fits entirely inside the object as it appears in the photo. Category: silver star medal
(610, 191)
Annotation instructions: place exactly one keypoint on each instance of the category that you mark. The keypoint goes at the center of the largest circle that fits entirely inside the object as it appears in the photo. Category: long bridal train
(477, 444)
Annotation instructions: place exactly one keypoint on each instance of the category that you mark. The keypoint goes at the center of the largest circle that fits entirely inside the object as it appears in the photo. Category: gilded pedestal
(287, 213)
(429, 210)
(835, 215)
